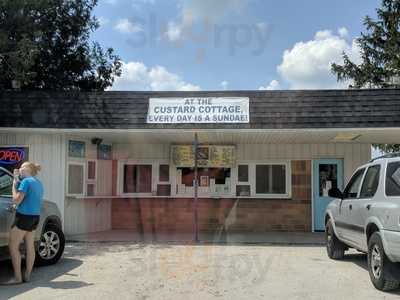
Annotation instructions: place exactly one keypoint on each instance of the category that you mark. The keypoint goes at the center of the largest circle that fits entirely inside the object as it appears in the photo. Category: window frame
(394, 160)
(201, 194)
(155, 164)
(252, 178)
(365, 168)
(15, 146)
(76, 163)
(363, 180)
(91, 180)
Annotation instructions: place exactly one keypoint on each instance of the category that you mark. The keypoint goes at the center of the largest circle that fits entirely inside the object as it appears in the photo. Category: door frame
(314, 174)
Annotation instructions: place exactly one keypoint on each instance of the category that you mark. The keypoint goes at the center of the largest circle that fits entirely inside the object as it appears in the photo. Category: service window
(353, 186)
(91, 167)
(271, 179)
(164, 173)
(163, 185)
(243, 188)
(211, 181)
(392, 184)
(243, 173)
(76, 179)
(137, 178)
(371, 182)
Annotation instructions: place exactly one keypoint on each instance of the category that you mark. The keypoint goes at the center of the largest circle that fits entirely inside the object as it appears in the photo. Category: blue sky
(230, 44)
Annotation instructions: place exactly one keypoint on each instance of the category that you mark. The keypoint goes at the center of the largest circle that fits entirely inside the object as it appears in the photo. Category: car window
(6, 181)
(392, 185)
(371, 182)
(352, 187)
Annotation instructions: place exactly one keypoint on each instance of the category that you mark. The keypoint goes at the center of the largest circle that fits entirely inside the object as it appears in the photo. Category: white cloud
(224, 85)
(137, 76)
(173, 32)
(126, 26)
(343, 32)
(103, 21)
(308, 64)
(273, 85)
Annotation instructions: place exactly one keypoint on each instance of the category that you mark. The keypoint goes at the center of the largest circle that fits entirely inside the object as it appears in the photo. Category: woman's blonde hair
(34, 168)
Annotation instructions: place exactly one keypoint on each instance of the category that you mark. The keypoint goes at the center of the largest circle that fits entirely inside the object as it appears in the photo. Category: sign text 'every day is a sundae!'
(198, 110)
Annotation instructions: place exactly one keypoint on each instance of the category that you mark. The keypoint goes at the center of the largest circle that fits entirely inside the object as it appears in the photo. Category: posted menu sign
(212, 156)
(198, 110)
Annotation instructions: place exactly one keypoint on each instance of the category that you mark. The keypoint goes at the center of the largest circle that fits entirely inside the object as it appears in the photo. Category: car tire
(334, 247)
(379, 265)
(51, 246)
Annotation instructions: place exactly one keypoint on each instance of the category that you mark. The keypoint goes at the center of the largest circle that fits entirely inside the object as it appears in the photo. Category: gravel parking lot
(134, 271)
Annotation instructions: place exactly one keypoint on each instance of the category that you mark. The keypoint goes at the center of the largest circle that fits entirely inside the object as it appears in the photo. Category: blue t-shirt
(32, 202)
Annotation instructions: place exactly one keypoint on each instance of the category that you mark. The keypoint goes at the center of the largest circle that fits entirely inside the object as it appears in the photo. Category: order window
(211, 180)
(137, 179)
(271, 179)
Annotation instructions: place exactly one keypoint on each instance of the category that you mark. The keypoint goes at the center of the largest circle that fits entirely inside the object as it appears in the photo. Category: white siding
(90, 215)
(104, 178)
(49, 151)
(87, 215)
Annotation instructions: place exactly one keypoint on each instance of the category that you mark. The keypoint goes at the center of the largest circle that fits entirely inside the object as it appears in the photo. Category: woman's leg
(30, 253)
(16, 237)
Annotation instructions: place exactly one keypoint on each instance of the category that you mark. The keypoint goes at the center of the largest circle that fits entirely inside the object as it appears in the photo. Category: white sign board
(198, 110)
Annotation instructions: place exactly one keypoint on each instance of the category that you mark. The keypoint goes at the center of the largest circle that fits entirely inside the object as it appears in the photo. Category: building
(266, 159)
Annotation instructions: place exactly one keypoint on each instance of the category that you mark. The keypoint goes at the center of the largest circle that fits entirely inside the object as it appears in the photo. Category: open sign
(11, 156)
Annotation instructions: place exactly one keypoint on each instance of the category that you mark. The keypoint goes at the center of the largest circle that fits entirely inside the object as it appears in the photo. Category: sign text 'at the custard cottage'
(198, 110)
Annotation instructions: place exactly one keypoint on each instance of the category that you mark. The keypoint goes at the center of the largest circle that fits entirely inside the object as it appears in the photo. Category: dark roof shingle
(268, 109)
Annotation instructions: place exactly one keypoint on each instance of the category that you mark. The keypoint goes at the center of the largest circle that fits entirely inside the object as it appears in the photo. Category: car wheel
(51, 246)
(379, 265)
(334, 247)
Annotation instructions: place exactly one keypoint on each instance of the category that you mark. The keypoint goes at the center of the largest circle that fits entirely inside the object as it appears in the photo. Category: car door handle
(368, 207)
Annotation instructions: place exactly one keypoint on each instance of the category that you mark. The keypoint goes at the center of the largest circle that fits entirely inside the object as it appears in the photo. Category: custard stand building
(265, 159)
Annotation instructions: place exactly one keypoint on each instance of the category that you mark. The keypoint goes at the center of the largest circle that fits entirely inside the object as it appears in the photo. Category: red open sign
(11, 156)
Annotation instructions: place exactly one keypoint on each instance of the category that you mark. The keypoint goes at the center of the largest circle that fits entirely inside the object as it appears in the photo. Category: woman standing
(28, 196)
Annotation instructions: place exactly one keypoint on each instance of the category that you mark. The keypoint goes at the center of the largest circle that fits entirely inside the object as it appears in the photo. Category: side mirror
(335, 193)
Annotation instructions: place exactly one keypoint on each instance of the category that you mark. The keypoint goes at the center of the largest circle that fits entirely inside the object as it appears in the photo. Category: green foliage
(387, 148)
(380, 51)
(380, 55)
(45, 44)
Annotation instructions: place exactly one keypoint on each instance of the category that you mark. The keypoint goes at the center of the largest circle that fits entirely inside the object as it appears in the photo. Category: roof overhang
(228, 136)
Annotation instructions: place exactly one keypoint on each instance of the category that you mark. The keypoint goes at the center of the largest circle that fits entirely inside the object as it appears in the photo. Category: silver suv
(49, 241)
(366, 216)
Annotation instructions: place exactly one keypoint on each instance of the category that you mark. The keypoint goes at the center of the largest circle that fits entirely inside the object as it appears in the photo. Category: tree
(380, 51)
(45, 44)
(380, 55)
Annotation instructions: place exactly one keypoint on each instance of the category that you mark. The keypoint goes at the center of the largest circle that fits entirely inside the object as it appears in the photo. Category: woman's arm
(18, 197)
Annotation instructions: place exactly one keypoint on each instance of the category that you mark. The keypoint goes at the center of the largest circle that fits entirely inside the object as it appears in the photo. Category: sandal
(26, 278)
(12, 281)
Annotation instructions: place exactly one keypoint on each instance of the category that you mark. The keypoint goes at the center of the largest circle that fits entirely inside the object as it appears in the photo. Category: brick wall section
(175, 215)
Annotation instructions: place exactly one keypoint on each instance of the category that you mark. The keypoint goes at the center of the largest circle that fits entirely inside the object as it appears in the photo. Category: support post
(196, 188)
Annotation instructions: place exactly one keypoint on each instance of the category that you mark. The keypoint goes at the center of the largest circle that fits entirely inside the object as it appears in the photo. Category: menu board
(182, 155)
(212, 156)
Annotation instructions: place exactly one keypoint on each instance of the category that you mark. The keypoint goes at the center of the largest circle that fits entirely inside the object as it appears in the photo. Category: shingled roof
(375, 108)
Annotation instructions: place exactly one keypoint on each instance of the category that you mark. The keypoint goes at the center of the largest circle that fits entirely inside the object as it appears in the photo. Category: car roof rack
(389, 155)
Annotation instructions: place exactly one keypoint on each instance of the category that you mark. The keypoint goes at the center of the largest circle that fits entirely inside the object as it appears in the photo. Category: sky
(231, 44)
